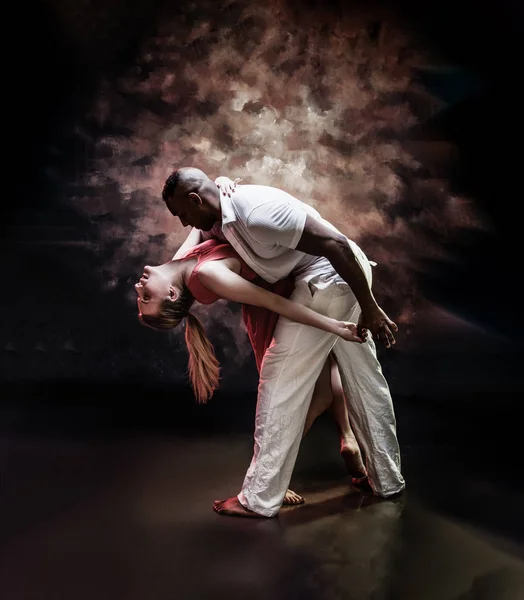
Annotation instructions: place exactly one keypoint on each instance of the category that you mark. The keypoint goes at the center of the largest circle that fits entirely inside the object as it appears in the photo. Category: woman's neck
(180, 270)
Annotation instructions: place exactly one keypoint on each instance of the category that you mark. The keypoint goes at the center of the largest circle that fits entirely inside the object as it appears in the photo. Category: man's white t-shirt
(264, 225)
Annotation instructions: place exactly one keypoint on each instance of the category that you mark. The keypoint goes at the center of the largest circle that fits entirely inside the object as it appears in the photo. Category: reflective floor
(129, 517)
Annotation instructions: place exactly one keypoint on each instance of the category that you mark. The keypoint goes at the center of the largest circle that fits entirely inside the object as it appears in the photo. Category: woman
(213, 270)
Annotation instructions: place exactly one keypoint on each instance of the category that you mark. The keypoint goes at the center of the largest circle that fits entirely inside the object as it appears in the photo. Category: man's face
(191, 209)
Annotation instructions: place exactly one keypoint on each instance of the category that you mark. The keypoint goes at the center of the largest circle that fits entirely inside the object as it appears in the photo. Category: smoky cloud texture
(297, 100)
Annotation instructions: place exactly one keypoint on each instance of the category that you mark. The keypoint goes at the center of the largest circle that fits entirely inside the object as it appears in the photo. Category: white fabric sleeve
(277, 223)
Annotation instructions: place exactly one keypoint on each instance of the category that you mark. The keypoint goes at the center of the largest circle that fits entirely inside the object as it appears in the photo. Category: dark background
(72, 356)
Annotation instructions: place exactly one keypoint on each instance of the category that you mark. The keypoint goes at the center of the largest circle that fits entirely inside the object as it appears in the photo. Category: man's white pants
(290, 369)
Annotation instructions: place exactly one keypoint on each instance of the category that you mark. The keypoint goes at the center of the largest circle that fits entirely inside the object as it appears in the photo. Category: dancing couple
(303, 286)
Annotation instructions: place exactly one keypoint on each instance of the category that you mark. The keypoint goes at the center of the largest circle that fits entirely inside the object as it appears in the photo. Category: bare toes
(292, 498)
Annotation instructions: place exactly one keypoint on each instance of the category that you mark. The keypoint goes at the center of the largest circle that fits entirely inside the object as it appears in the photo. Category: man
(276, 235)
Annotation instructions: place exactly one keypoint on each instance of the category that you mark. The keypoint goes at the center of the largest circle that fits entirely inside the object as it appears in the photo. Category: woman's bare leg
(349, 448)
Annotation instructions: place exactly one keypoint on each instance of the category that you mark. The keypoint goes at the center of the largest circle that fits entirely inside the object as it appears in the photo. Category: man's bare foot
(362, 484)
(292, 498)
(350, 453)
(232, 508)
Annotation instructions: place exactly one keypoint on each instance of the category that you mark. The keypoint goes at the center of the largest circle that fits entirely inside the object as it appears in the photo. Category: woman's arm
(224, 282)
(193, 239)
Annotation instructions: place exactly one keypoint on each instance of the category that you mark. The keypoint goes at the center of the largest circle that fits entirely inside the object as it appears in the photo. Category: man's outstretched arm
(319, 240)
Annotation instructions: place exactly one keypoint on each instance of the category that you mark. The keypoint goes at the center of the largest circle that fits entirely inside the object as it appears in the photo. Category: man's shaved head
(185, 179)
(191, 196)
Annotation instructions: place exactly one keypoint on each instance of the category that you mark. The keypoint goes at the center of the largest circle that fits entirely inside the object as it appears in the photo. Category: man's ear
(196, 198)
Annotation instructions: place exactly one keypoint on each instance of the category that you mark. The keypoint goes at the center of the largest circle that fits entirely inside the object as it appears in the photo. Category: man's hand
(226, 185)
(380, 325)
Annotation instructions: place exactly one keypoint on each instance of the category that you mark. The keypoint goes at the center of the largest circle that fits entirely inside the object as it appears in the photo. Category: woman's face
(153, 288)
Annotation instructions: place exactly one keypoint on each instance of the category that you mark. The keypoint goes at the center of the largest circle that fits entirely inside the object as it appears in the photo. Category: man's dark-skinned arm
(319, 240)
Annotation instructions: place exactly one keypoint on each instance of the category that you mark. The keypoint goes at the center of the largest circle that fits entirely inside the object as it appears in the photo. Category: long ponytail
(204, 369)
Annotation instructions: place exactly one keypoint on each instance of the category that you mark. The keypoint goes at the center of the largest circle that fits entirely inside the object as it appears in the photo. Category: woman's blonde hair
(204, 368)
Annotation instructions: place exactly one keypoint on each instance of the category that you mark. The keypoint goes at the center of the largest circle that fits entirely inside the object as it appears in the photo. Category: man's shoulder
(253, 197)
(263, 190)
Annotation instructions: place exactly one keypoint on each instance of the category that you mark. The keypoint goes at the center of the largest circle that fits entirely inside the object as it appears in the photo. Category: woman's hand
(226, 185)
(349, 331)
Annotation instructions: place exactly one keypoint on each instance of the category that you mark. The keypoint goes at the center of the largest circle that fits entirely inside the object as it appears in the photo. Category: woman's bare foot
(292, 499)
(350, 453)
(232, 508)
